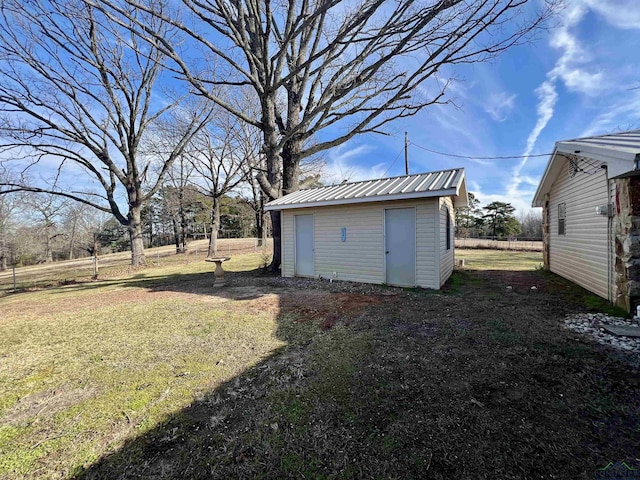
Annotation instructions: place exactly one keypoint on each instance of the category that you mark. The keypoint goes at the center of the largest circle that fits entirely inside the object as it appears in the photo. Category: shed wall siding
(361, 257)
(581, 255)
(288, 252)
(426, 270)
(446, 256)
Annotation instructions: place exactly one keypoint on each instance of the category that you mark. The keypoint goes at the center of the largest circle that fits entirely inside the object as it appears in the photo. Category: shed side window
(448, 229)
(562, 219)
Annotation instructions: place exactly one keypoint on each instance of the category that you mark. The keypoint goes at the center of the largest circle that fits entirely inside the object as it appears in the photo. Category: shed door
(400, 246)
(304, 245)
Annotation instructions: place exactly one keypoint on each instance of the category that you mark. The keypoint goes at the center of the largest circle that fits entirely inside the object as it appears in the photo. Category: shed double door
(400, 246)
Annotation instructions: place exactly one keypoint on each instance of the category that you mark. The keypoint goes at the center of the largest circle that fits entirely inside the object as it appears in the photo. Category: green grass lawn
(156, 374)
(485, 259)
(86, 366)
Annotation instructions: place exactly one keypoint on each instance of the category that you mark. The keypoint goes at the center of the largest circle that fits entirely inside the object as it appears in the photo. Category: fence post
(14, 278)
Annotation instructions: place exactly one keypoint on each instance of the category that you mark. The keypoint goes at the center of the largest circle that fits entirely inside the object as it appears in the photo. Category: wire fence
(528, 244)
(84, 269)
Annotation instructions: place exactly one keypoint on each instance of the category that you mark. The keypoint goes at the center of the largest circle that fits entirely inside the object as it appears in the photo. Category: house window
(562, 219)
(448, 229)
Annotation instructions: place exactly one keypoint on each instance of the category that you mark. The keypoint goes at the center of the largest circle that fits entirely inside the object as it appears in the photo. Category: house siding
(582, 254)
(446, 256)
(361, 257)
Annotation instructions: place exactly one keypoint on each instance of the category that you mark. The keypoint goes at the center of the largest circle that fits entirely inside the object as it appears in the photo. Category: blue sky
(580, 78)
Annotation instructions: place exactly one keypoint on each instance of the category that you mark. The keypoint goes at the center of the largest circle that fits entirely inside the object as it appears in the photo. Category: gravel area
(592, 324)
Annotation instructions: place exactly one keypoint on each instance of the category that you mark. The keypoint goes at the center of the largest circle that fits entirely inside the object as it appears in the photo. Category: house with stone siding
(590, 199)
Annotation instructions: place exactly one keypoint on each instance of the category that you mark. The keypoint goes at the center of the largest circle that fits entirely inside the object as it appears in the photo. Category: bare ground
(479, 381)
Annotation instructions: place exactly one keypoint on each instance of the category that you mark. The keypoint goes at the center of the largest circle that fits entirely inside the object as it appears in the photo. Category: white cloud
(622, 115)
(346, 164)
(547, 98)
(500, 105)
(623, 14)
(456, 130)
(569, 70)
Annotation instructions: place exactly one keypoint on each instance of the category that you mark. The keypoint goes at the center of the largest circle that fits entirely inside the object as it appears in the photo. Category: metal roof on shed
(421, 185)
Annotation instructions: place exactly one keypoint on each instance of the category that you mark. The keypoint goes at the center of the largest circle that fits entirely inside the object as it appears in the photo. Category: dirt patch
(45, 404)
(516, 281)
(328, 308)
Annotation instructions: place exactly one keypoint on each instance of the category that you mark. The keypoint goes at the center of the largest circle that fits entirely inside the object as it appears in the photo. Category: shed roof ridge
(379, 179)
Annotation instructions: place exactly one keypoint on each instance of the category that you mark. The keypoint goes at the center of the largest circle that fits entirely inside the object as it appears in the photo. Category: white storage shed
(398, 231)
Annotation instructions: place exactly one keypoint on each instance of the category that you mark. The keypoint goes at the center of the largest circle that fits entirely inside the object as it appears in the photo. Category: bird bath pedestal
(219, 280)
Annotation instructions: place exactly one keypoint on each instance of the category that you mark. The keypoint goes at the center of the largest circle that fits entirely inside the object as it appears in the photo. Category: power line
(393, 163)
(468, 157)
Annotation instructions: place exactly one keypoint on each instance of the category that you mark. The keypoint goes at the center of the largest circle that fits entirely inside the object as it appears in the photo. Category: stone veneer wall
(626, 234)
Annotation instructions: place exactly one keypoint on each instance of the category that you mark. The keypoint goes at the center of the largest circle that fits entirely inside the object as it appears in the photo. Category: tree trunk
(274, 171)
(277, 250)
(48, 253)
(176, 233)
(215, 227)
(183, 228)
(96, 251)
(3, 250)
(73, 238)
(151, 233)
(290, 184)
(261, 223)
(135, 234)
(259, 228)
(263, 214)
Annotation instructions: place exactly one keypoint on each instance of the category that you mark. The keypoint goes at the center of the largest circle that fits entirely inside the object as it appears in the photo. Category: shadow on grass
(239, 284)
(479, 383)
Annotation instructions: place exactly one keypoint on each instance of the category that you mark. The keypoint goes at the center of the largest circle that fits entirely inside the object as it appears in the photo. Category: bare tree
(256, 199)
(8, 205)
(46, 212)
(80, 223)
(531, 223)
(176, 192)
(334, 66)
(220, 153)
(80, 90)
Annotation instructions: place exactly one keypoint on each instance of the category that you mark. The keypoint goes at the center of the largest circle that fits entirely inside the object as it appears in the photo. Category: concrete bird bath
(219, 280)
